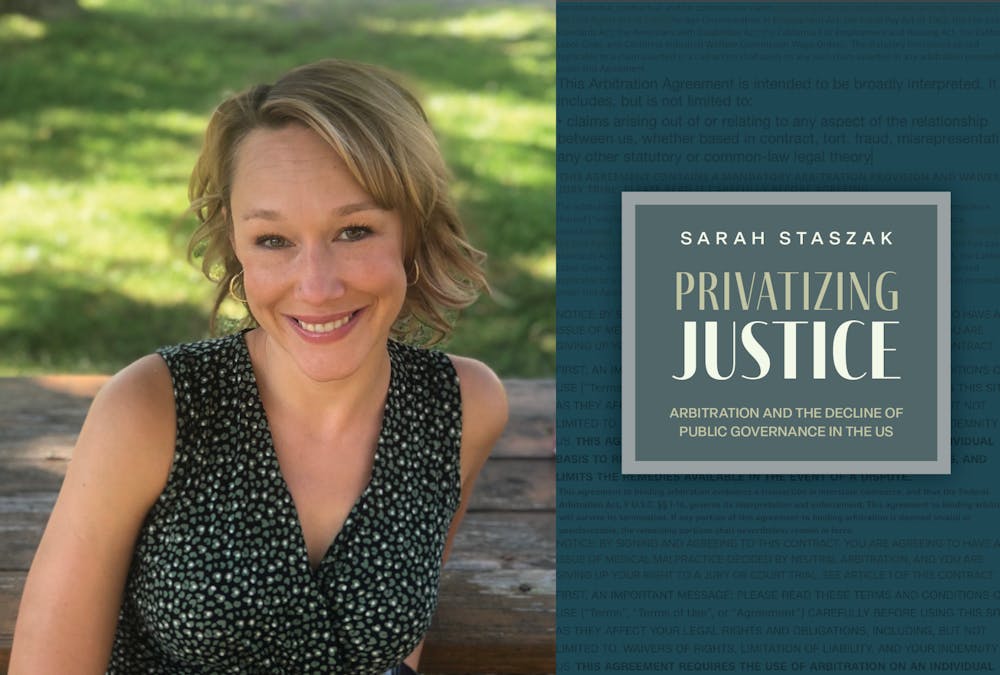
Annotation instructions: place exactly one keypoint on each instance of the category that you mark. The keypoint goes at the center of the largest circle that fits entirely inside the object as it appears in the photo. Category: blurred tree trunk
(41, 8)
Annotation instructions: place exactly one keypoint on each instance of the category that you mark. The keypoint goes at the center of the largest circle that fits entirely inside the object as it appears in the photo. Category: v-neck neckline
(271, 452)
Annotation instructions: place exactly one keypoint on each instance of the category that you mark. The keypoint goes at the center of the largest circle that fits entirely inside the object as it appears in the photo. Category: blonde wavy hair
(381, 132)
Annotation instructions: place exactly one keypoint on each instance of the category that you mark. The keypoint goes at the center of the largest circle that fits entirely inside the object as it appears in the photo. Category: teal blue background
(746, 573)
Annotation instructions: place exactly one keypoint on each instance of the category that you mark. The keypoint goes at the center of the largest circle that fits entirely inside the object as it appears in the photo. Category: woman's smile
(325, 328)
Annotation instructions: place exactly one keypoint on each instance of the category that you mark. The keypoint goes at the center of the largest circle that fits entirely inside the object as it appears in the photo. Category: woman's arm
(484, 415)
(72, 595)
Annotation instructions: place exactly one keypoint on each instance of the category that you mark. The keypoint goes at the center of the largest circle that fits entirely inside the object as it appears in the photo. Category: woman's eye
(354, 232)
(271, 241)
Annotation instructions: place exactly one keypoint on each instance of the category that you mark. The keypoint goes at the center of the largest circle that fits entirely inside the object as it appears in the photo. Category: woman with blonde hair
(281, 500)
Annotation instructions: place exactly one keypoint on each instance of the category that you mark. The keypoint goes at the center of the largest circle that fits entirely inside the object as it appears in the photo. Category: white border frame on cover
(940, 465)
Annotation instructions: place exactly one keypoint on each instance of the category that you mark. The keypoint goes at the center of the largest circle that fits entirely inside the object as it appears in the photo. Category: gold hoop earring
(416, 273)
(232, 288)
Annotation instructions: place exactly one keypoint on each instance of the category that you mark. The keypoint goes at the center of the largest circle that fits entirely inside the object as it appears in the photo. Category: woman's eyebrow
(261, 214)
(346, 210)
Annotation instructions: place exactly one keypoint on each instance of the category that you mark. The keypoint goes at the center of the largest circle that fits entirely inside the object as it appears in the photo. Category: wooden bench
(497, 606)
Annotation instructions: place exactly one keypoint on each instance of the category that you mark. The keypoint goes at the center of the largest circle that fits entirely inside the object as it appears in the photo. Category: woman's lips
(331, 325)
(325, 327)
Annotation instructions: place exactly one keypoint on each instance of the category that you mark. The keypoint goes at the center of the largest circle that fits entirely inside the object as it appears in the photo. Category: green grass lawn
(101, 119)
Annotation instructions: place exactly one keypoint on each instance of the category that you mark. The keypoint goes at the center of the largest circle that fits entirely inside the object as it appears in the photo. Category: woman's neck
(328, 407)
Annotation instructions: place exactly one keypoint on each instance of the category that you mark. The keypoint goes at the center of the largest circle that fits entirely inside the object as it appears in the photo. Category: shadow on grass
(81, 324)
(67, 97)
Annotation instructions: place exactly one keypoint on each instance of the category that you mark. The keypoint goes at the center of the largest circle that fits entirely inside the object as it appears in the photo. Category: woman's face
(323, 264)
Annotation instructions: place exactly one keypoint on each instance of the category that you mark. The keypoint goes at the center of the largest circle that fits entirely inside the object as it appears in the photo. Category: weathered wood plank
(482, 615)
(11, 585)
(497, 605)
(497, 608)
(22, 519)
(39, 408)
(486, 539)
(28, 491)
(516, 485)
(485, 622)
(508, 540)
(505, 483)
(20, 476)
(531, 431)
(41, 416)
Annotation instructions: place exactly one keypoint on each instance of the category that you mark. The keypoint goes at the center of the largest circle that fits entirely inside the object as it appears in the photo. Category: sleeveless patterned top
(220, 581)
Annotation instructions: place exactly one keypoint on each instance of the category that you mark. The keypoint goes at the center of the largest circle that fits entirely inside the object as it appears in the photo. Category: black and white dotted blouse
(220, 581)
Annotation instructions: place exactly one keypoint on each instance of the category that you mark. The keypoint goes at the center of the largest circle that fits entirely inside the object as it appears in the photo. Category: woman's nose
(319, 275)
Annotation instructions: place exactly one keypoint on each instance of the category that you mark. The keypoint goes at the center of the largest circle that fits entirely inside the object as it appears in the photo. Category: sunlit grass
(19, 28)
(77, 231)
(525, 32)
(141, 144)
(542, 266)
(510, 23)
(101, 117)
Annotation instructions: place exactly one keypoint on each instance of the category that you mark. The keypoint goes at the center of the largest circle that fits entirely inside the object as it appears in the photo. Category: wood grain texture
(496, 612)
(494, 622)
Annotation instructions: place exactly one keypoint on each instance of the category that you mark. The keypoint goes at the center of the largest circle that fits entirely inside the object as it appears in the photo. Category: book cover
(786, 332)
(750, 570)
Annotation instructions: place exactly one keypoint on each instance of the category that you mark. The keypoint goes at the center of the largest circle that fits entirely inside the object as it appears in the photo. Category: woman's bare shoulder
(484, 407)
(145, 382)
(123, 455)
(132, 422)
(140, 394)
